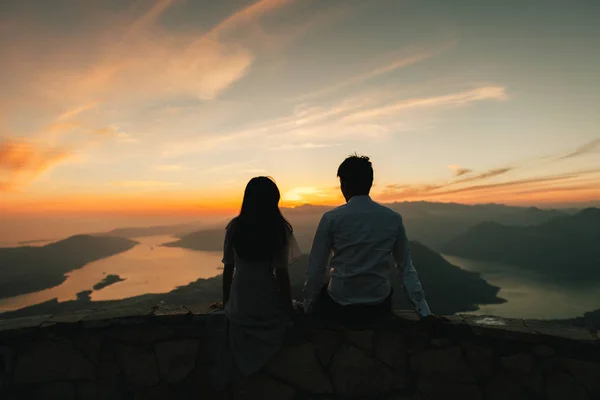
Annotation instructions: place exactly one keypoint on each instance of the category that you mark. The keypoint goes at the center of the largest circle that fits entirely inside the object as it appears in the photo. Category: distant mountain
(142, 231)
(566, 247)
(28, 269)
(433, 224)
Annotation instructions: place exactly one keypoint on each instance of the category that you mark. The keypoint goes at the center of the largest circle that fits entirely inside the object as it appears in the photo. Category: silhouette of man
(364, 237)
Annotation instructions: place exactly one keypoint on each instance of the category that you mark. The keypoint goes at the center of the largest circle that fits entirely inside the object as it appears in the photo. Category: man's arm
(410, 278)
(317, 262)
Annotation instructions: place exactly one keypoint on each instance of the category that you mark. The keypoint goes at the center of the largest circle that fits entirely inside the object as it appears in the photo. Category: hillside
(564, 247)
(29, 269)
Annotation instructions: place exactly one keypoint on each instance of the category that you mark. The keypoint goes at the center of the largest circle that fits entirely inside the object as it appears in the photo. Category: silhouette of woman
(259, 246)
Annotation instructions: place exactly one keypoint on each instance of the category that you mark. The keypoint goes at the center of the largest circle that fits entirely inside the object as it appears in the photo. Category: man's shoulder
(387, 210)
(336, 211)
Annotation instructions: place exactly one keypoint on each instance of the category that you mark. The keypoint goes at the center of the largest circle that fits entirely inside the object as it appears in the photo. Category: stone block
(198, 309)
(160, 392)
(391, 349)
(361, 339)
(522, 368)
(137, 364)
(326, 342)
(130, 334)
(262, 387)
(480, 359)
(170, 310)
(356, 374)
(108, 369)
(102, 389)
(155, 333)
(407, 315)
(55, 391)
(450, 390)
(299, 367)
(543, 350)
(6, 360)
(176, 358)
(90, 345)
(70, 317)
(117, 313)
(441, 365)
(23, 323)
(585, 372)
(46, 361)
(560, 386)
(502, 387)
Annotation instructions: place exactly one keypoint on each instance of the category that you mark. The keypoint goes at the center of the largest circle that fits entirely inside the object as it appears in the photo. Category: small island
(107, 281)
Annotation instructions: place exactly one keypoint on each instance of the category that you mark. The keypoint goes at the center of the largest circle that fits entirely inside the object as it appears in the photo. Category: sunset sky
(170, 106)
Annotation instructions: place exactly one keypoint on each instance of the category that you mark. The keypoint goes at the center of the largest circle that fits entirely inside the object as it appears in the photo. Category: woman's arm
(227, 279)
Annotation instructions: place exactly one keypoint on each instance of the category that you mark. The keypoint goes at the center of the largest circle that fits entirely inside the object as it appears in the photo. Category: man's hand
(219, 305)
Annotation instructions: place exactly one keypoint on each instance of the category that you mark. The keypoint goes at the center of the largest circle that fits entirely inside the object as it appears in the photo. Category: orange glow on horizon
(191, 204)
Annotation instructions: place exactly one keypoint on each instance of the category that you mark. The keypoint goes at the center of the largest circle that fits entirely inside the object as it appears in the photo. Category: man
(364, 237)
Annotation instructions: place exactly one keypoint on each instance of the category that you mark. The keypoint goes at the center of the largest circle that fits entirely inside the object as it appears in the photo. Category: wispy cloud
(531, 185)
(587, 148)
(451, 100)
(76, 111)
(22, 161)
(407, 57)
(484, 175)
(458, 170)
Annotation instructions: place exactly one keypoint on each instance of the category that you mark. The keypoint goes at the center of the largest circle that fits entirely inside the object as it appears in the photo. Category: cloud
(458, 170)
(451, 100)
(584, 149)
(409, 57)
(529, 185)
(245, 16)
(76, 111)
(485, 175)
(22, 161)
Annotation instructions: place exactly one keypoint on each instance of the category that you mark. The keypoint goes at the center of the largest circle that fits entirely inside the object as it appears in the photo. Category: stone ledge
(485, 326)
(162, 352)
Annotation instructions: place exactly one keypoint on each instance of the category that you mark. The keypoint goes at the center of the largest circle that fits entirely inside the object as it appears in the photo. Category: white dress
(256, 313)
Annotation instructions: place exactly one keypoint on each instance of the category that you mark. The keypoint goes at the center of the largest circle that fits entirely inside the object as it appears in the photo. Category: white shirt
(365, 238)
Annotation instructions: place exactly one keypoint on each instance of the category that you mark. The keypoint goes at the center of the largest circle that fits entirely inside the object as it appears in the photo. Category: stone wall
(162, 354)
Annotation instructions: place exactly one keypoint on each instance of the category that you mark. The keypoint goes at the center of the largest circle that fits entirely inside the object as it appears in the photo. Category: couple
(348, 269)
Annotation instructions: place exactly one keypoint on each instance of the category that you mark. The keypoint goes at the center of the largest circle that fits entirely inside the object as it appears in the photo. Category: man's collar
(360, 198)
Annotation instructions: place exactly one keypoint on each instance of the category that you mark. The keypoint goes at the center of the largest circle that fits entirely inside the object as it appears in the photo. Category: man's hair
(356, 174)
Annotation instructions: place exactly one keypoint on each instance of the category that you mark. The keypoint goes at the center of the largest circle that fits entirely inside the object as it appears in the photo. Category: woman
(259, 246)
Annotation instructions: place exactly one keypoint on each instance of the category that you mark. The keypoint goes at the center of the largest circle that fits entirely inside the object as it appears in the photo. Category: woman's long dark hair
(260, 231)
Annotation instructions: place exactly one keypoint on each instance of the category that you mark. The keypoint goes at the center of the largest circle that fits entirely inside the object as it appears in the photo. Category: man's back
(364, 238)
(363, 235)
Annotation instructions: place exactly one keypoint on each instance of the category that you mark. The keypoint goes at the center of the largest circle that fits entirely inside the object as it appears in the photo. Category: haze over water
(147, 268)
(530, 294)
